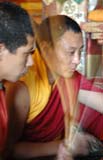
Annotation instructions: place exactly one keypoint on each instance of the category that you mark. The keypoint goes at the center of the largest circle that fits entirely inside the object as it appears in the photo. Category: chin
(68, 75)
(14, 79)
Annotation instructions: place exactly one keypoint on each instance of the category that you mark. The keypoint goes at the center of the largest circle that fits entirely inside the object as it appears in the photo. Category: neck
(51, 76)
(0, 80)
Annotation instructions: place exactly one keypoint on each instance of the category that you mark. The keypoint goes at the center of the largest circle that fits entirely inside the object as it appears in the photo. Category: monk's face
(64, 57)
(15, 64)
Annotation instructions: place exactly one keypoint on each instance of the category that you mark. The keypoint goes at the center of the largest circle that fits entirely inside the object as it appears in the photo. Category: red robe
(3, 119)
(49, 124)
(90, 119)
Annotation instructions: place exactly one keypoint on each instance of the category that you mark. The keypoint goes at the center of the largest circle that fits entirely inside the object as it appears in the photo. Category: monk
(16, 44)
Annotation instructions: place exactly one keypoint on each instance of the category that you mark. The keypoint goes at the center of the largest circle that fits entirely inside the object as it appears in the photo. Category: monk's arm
(30, 149)
(17, 98)
(91, 99)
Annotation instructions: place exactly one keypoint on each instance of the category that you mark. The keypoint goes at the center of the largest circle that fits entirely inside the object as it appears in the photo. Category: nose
(29, 61)
(76, 58)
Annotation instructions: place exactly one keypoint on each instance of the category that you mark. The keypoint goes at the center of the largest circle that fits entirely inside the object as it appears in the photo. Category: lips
(73, 69)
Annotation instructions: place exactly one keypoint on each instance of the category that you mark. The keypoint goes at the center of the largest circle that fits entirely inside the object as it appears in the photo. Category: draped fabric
(38, 86)
(3, 119)
(49, 124)
(45, 120)
(94, 64)
(93, 59)
(91, 120)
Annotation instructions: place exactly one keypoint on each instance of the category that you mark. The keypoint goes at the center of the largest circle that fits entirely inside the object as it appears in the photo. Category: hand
(79, 144)
(64, 153)
(84, 144)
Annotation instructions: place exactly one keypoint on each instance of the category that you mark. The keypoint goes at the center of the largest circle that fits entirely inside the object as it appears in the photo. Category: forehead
(70, 39)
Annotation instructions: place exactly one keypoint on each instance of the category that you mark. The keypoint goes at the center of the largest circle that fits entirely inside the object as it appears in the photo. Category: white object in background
(92, 4)
(47, 2)
(77, 11)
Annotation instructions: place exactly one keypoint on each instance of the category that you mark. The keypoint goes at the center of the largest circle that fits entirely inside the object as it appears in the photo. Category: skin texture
(91, 99)
(17, 63)
(65, 56)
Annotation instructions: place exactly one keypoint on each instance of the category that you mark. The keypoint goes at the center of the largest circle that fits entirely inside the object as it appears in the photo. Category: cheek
(66, 60)
(23, 61)
(19, 66)
(61, 58)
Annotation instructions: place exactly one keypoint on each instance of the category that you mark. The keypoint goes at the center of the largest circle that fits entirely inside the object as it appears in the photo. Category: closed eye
(72, 52)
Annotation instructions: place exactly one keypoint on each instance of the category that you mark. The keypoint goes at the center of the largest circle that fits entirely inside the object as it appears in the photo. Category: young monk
(16, 43)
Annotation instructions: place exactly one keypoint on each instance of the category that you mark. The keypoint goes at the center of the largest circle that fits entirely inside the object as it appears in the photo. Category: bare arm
(91, 99)
(18, 105)
(30, 149)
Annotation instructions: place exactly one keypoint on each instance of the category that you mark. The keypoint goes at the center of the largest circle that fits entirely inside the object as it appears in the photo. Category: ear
(44, 47)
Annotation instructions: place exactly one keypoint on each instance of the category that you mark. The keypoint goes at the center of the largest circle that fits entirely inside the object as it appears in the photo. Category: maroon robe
(49, 124)
(3, 119)
(90, 119)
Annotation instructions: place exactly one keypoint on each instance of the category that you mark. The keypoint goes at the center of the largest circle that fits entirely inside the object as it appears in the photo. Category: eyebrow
(75, 47)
